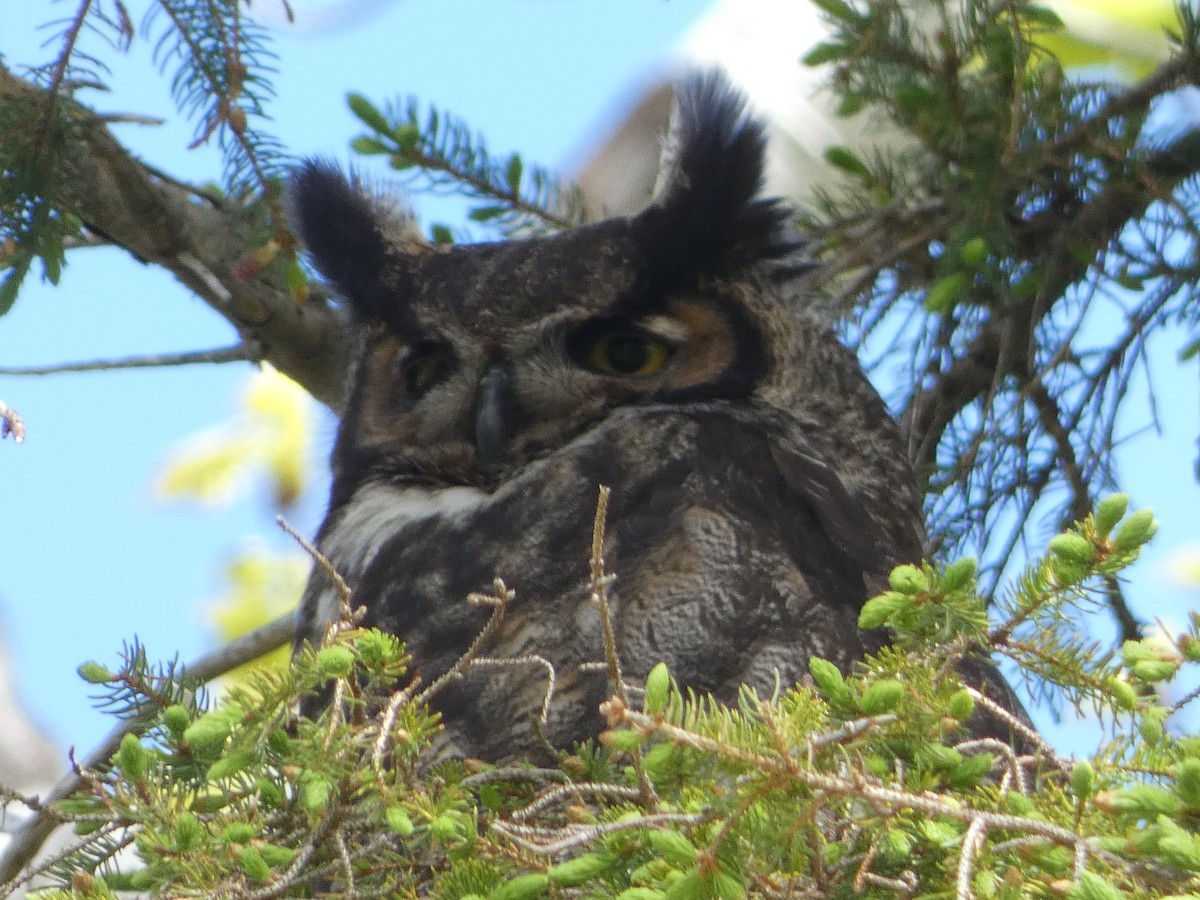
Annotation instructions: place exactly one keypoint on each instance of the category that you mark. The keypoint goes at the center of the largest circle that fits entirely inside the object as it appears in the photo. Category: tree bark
(199, 239)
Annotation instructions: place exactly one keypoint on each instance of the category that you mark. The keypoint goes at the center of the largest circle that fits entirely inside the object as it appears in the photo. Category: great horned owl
(760, 491)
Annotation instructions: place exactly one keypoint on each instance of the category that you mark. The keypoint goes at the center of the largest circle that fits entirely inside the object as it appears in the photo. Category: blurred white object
(30, 762)
(760, 44)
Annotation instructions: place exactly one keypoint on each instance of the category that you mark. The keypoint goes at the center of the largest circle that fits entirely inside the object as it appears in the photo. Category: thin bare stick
(236, 353)
(502, 597)
(972, 842)
(564, 793)
(599, 588)
(856, 785)
(339, 583)
(575, 836)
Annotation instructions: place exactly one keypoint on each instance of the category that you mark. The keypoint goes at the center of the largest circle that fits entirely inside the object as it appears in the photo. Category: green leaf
(369, 146)
(335, 661)
(368, 113)
(398, 821)
(1136, 531)
(95, 673)
(582, 869)
(1122, 693)
(845, 159)
(230, 764)
(882, 696)
(851, 105)
(944, 293)
(238, 833)
(1073, 547)
(658, 683)
(133, 758)
(315, 791)
(188, 832)
(974, 253)
(51, 266)
(1142, 801)
(1109, 512)
(1178, 847)
(1083, 779)
(251, 861)
(407, 136)
(276, 856)
(640, 893)
(523, 887)
(971, 771)
(620, 739)
(1187, 782)
(908, 579)
(839, 10)
(8, 289)
(206, 736)
(486, 213)
(961, 705)
(824, 52)
(829, 681)
(690, 887)
(959, 574)
(513, 171)
(878, 611)
(672, 846)
(1043, 16)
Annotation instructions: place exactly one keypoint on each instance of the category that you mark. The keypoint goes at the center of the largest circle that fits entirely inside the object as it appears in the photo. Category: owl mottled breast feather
(760, 492)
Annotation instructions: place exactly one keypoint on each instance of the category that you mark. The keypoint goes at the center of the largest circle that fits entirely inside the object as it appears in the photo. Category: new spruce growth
(857, 784)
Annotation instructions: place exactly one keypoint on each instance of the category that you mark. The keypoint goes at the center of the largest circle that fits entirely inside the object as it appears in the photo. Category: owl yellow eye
(628, 353)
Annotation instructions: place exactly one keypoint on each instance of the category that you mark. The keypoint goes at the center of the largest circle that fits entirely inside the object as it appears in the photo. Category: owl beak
(493, 416)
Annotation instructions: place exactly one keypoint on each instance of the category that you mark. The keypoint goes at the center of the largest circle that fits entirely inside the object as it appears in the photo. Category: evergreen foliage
(858, 785)
(441, 154)
(219, 62)
(1015, 209)
(1015, 214)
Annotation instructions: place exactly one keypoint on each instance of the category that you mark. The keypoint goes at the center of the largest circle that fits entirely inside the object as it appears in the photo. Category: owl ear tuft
(706, 203)
(349, 232)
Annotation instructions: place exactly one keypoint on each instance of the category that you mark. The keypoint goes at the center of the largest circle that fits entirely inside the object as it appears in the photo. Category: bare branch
(236, 353)
(200, 243)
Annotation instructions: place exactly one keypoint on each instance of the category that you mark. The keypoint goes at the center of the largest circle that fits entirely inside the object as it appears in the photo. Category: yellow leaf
(1128, 36)
(270, 435)
(261, 586)
(209, 468)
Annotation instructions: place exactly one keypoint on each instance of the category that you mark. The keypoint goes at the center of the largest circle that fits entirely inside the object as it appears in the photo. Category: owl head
(472, 360)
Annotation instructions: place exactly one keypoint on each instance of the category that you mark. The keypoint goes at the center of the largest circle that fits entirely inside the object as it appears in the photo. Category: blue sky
(88, 556)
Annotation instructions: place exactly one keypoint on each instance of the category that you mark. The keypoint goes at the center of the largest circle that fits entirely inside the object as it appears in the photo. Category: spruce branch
(442, 155)
(223, 76)
(1009, 243)
(29, 838)
(201, 243)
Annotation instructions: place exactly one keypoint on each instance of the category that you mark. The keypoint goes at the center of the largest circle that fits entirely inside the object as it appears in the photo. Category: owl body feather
(733, 557)
(760, 491)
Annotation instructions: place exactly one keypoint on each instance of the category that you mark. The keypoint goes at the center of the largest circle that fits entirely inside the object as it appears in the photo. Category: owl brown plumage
(760, 491)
